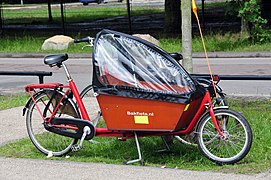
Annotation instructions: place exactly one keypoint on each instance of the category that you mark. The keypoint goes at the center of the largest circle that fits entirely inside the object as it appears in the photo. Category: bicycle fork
(210, 107)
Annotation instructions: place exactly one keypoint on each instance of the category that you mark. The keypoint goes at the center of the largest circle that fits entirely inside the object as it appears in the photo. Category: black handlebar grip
(86, 39)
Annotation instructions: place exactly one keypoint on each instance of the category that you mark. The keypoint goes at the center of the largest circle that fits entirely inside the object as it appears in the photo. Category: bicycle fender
(29, 101)
(49, 92)
(207, 113)
(221, 107)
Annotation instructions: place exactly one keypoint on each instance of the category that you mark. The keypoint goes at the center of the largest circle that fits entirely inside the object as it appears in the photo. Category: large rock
(58, 42)
(148, 37)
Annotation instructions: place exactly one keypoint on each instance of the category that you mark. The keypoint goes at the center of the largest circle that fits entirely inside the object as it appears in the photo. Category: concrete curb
(39, 55)
(263, 54)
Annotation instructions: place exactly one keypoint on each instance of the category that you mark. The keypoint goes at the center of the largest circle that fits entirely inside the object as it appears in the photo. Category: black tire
(234, 147)
(47, 142)
(191, 138)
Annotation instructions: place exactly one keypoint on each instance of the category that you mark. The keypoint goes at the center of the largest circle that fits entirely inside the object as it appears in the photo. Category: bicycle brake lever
(87, 46)
(90, 41)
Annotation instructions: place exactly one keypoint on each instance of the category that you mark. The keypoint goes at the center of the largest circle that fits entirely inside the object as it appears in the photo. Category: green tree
(172, 16)
(266, 6)
(254, 23)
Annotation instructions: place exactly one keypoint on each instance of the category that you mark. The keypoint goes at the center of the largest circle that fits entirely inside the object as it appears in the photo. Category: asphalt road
(81, 70)
(41, 169)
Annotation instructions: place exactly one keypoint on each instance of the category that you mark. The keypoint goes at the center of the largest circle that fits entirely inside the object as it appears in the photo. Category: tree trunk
(187, 35)
(172, 16)
(266, 13)
(1, 22)
(50, 17)
(244, 24)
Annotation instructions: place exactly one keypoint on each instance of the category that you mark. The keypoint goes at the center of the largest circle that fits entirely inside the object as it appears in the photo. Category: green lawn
(73, 14)
(230, 42)
(23, 42)
(182, 156)
(9, 101)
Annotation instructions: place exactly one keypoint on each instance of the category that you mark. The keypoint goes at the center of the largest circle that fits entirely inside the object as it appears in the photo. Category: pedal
(87, 131)
(122, 138)
(75, 148)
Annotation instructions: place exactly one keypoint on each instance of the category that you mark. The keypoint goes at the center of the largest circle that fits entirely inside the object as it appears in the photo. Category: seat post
(67, 71)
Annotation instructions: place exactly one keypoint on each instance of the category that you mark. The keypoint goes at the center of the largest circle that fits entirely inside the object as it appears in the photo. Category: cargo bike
(141, 91)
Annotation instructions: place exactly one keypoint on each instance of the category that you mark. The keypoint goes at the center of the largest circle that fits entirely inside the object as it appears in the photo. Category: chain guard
(79, 123)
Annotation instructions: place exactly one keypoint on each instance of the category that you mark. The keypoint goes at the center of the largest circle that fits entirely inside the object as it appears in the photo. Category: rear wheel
(47, 142)
(236, 143)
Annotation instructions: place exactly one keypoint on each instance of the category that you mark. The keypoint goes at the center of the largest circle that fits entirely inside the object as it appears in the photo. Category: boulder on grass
(58, 42)
(149, 38)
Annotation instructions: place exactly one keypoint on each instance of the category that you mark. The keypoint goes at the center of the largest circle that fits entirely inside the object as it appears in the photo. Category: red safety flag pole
(195, 11)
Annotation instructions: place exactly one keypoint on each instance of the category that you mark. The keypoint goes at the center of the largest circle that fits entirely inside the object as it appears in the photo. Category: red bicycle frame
(72, 86)
(206, 103)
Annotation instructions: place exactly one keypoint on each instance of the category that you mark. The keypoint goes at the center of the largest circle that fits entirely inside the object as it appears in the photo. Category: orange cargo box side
(123, 113)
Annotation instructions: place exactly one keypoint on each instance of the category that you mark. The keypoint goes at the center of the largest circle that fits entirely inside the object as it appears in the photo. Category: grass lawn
(80, 13)
(182, 156)
(9, 101)
(230, 42)
(216, 41)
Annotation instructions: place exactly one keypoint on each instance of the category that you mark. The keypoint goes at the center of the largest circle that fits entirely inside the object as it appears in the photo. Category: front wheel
(237, 137)
(47, 142)
(190, 139)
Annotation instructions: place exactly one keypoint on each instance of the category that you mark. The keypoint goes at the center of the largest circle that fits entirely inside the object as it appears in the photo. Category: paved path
(81, 71)
(12, 125)
(41, 169)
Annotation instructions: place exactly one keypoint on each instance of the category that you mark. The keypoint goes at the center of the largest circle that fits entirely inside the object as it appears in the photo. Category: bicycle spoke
(236, 142)
(44, 140)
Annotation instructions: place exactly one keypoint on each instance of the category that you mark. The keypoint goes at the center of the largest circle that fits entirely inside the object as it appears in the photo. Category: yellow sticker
(141, 119)
(186, 107)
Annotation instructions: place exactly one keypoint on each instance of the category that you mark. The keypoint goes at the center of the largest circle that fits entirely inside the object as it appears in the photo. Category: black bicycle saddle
(56, 59)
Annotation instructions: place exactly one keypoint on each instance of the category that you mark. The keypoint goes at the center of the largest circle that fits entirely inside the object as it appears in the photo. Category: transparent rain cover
(124, 61)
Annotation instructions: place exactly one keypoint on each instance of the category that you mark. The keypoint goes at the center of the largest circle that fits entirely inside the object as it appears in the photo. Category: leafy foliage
(250, 11)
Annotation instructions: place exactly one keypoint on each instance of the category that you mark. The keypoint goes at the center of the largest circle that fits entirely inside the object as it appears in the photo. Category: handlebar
(87, 39)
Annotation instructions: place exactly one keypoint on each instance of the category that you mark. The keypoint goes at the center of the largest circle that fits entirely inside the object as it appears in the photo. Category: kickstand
(167, 146)
(139, 153)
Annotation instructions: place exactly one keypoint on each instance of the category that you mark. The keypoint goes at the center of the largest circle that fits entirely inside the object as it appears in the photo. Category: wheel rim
(45, 141)
(224, 150)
